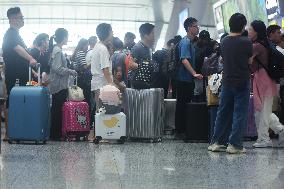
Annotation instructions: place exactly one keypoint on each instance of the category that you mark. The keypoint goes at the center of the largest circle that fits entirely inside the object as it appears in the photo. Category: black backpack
(275, 68)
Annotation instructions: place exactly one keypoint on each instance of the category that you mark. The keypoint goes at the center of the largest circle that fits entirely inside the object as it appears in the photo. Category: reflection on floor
(167, 165)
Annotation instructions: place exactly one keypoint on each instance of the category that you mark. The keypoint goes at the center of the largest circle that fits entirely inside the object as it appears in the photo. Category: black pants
(174, 88)
(184, 96)
(85, 85)
(58, 100)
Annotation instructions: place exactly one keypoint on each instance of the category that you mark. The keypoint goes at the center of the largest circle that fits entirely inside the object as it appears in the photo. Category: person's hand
(73, 73)
(33, 62)
(198, 76)
(132, 63)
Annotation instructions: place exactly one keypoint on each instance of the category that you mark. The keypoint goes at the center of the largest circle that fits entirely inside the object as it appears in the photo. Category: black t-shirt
(141, 53)
(16, 67)
(236, 51)
(41, 58)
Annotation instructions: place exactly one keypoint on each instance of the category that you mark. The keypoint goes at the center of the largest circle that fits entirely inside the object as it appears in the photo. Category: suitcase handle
(38, 74)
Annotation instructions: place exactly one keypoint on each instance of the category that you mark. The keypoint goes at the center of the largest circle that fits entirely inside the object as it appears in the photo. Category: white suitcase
(110, 127)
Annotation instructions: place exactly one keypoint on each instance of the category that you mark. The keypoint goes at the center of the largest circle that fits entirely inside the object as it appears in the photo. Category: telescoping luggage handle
(38, 74)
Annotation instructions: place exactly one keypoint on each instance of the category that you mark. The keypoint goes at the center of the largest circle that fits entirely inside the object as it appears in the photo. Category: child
(118, 80)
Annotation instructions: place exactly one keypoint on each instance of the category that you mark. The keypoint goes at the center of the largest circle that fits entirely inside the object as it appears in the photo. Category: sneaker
(263, 144)
(281, 139)
(232, 150)
(216, 148)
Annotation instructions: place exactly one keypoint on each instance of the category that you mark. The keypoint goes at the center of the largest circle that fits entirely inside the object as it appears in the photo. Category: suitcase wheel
(37, 142)
(86, 138)
(122, 140)
(97, 139)
(17, 141)
(44, 142)
(10, 141)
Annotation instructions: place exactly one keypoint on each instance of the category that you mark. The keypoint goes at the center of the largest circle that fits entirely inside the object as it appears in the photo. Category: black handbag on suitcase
(197, 122)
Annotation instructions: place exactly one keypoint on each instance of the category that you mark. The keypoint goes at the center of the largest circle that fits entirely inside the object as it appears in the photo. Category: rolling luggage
(75, 120)
(145, 114)
(110, 127)
(29, 113)
(251, 131)
(197, 122)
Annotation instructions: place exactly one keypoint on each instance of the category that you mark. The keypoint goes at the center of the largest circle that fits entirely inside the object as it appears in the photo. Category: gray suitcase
(145, 114)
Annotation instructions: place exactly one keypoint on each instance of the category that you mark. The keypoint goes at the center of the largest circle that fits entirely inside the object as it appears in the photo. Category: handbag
(75, 93)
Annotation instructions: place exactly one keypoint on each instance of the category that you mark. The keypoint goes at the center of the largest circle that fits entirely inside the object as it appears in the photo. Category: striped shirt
(80, 60)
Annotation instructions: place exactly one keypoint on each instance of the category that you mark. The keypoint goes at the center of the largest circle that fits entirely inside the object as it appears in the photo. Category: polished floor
(166, 165)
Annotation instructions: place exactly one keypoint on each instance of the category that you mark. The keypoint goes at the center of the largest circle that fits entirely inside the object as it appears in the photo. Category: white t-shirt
(100, 59)
(89, 56)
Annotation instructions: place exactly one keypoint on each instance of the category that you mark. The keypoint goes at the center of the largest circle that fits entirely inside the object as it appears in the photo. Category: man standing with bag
(15, 54)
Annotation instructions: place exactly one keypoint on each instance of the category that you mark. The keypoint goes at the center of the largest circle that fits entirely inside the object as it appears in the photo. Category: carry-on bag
(145, 114)
(110, 127)
(29, 112)
(197, 122)
(75, 120)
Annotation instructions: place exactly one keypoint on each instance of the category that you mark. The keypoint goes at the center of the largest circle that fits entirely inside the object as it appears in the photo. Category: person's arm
(23, 53)
(104, 61)
(57, 67)
(185, 54)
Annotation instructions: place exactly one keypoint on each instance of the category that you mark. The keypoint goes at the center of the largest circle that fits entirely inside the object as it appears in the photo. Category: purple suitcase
(251, 131)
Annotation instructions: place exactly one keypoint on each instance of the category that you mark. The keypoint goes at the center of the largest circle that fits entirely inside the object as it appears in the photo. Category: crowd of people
(180, 69)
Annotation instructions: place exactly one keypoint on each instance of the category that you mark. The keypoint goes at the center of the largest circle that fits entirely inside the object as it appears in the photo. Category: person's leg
(275, 124)
(184, 96)
(98, 104)
(58, 100)
(262, 120)
(241, 103)
(174, 88)
(224, 116)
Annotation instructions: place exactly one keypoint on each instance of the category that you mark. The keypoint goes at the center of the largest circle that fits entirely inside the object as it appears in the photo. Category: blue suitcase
(29, 114)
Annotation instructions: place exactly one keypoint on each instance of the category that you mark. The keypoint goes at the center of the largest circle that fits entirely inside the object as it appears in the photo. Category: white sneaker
(263, 144)
(232, 150)
(216, 148)
(281, 139)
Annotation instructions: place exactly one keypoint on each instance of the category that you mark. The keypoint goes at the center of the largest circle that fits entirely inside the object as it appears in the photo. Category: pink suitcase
(75, 120)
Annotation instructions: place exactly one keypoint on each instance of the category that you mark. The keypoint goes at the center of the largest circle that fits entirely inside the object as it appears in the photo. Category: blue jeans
(232, 113)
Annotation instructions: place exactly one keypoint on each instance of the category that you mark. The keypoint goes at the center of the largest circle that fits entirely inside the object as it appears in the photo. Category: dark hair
(169, 43)
(177, 39)
(272, 29)
(145, 29)
(117, 43)
(13, 11)
(92, 38)
(237, 22)
(103, 30)
(188, 23)
(245, 33)
(130, 35)
(59, 35)
(40, 39)
(81, 44)
(260, 28)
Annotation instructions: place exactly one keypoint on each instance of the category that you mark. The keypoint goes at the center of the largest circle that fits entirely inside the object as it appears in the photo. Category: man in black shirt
(232, 114)
(15, 54)
(141, 77)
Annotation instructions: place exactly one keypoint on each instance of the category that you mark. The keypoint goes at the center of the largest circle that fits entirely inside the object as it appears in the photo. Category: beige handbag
(75, 93)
